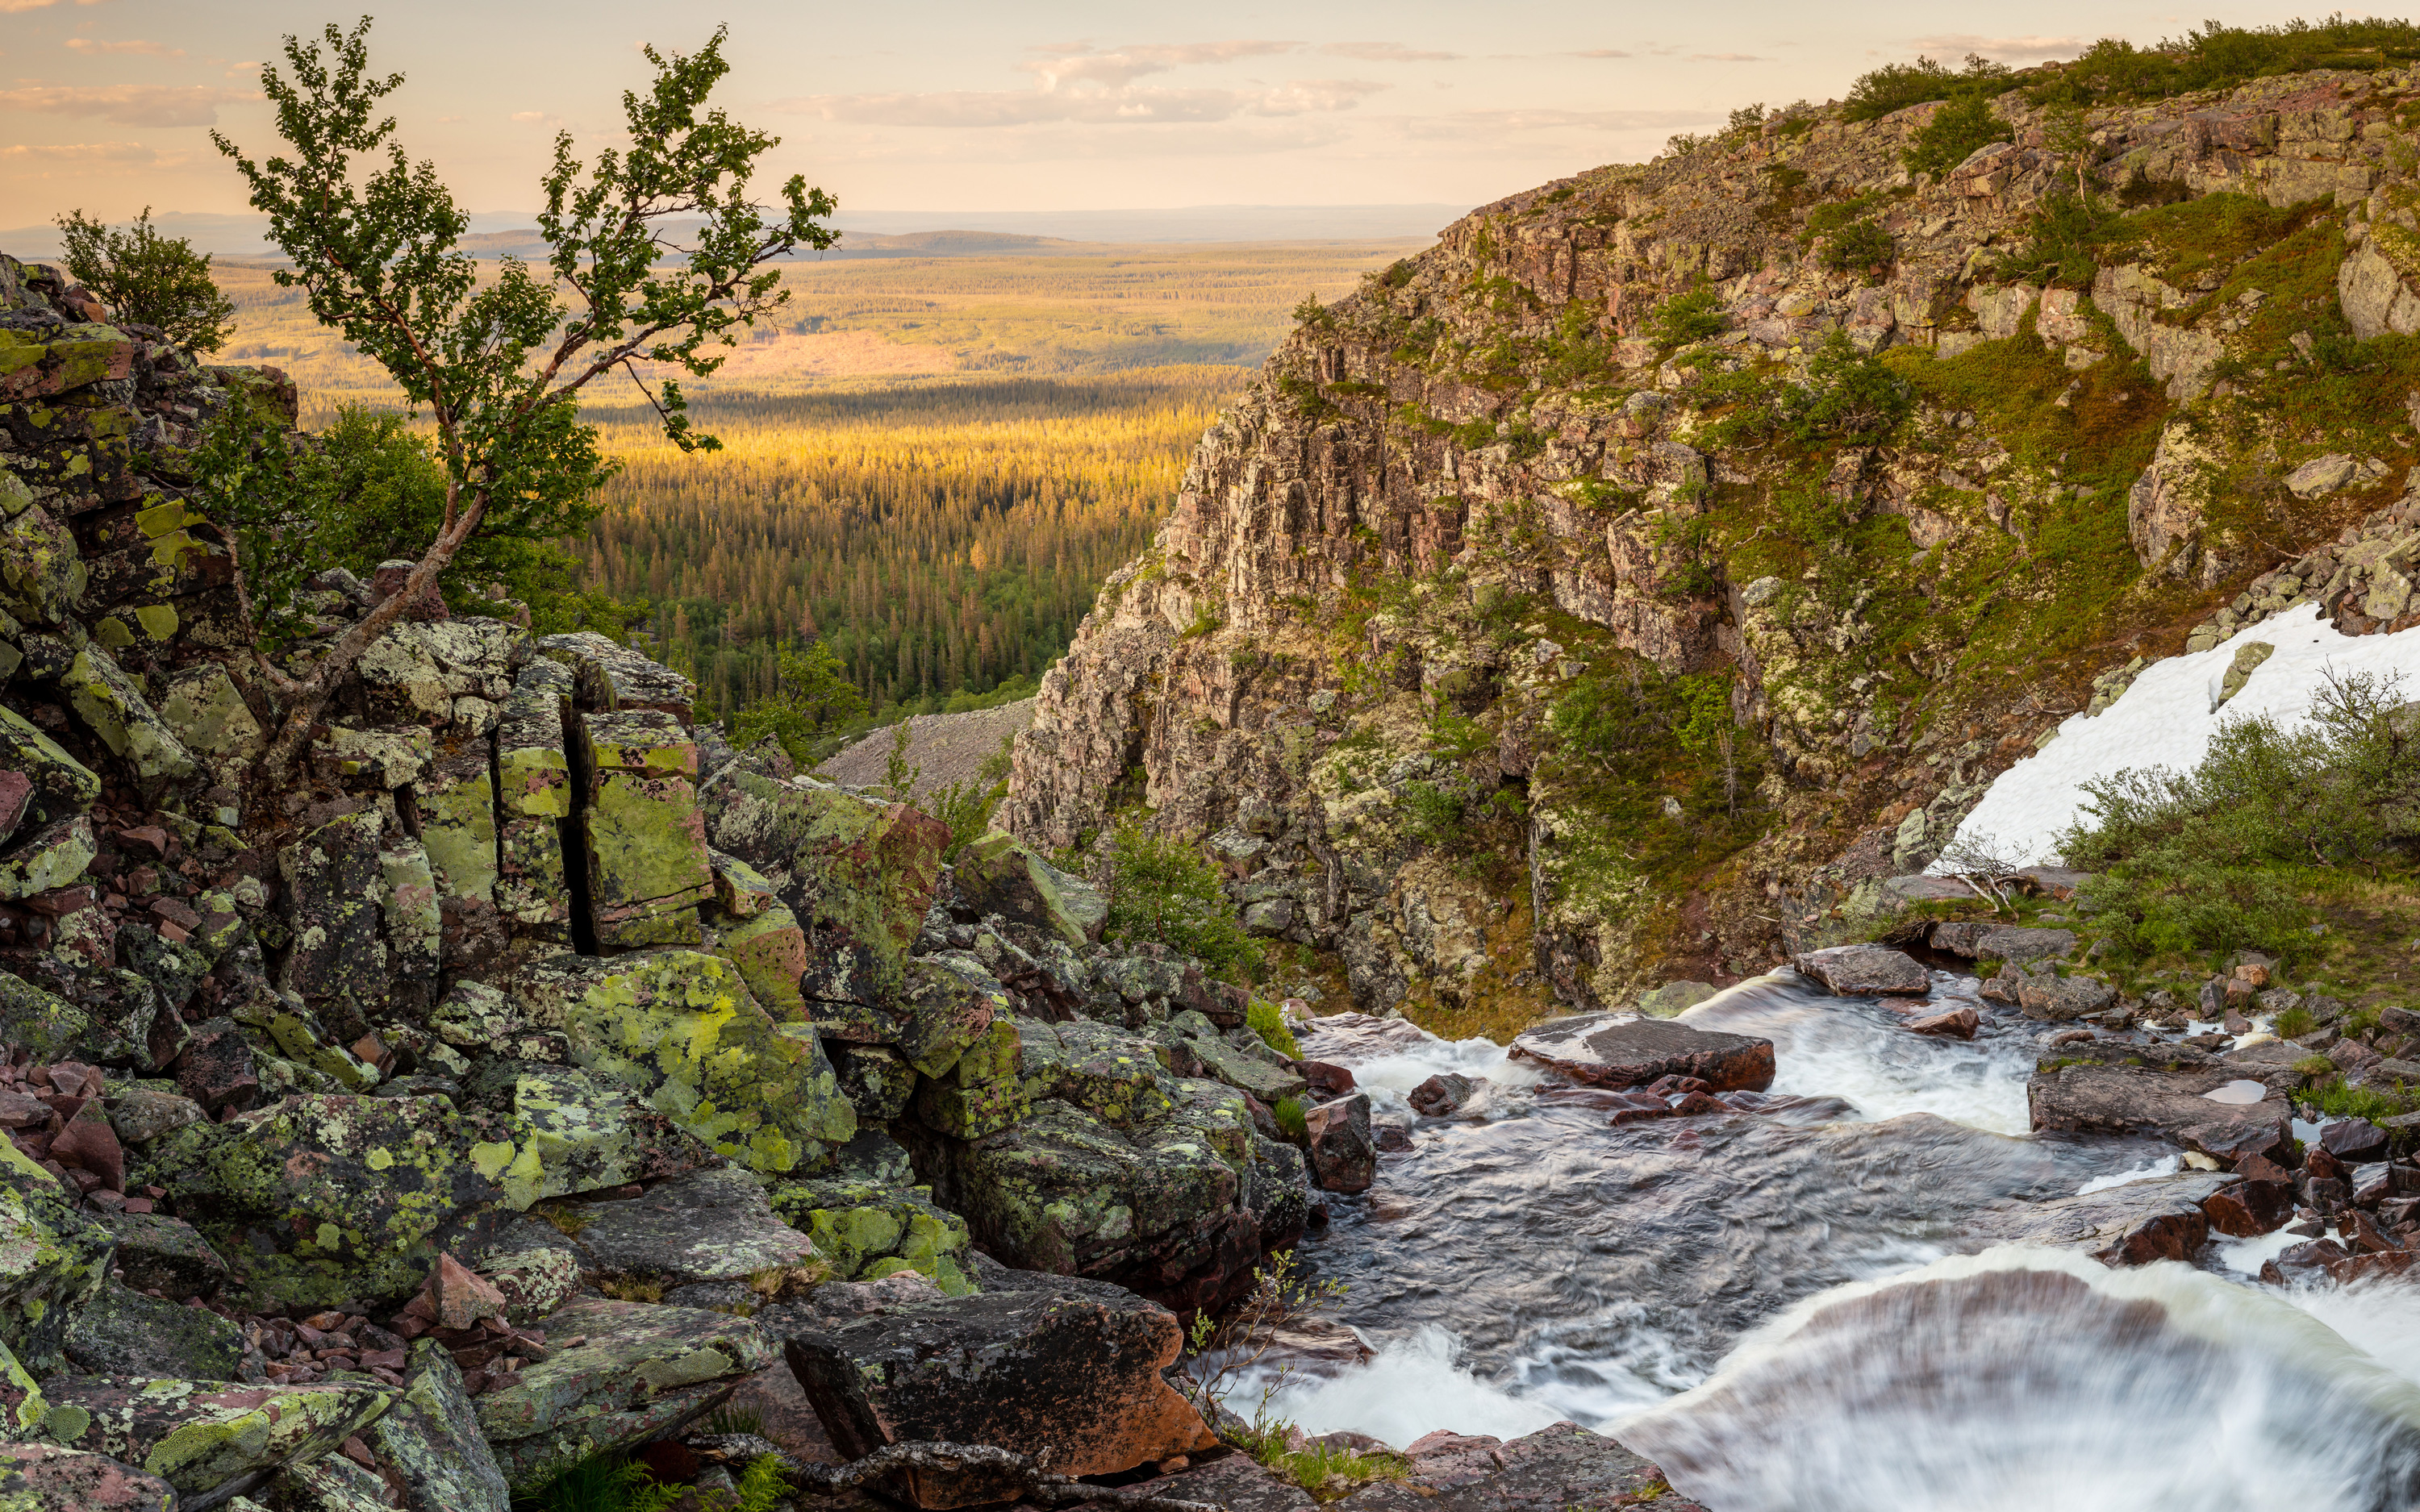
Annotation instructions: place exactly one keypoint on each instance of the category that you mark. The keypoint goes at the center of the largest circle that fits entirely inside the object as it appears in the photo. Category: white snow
(2165, 718)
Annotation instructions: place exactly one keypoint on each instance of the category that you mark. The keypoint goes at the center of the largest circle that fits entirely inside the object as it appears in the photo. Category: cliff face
(1608, 592)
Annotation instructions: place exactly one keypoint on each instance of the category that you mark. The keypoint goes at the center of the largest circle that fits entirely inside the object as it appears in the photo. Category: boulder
(2160, 1218)
(611, 678)
(870, 1219)
(997, 873)
(1443, 1094)
(1612, 1050)
(52, 857)
(2057, 1000)
(62, 784)
(333, 877)
(45, 1026)
(680, 1030)
(706, 1226)
(1178, 1203)
(1236, 1482)
(1344, 1158)
(2250, 1208)
(157, 1253)
(1865, 971)
(2114, 1099)
(533, 799)
(2023, 947)
(648, 868)
(199, 1435)
(320, 1200)
(1674, 998)
(51, 1259)
(1959, 1024)
(430, 1439)
(638, 1371)
(120, 1331)
(112, 706)
(1071, 1365)
(43, 1477)
(567, 1132)
(1562, 1467)
(861, 876)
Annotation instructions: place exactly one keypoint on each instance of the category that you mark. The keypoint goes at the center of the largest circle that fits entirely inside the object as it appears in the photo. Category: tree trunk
(305, 701)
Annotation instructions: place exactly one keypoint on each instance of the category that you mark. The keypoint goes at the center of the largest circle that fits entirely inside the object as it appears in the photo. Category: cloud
(88, 44)
(1602, 51)
(1727, 57)
(1108, 107)
(1078, 63)
(1999, 49)
(1467, 122)
(529, 115)
(125, 104)
(1386, 53)
(84, 158)
(12, 7)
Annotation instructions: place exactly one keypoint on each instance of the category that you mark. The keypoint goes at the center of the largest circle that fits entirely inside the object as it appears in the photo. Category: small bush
(2293, 1024)
(148, 279)
(2340, 1099)
(1694, 314)
(1954, 133)
(1861, 246)
(1163, 892)
(2315, 1066)
(1267, 1019)
(1848, 399)
(1288, 1112)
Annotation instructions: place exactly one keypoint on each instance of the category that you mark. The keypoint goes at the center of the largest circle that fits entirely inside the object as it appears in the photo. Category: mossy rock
(51, 1259)
(197, 1436)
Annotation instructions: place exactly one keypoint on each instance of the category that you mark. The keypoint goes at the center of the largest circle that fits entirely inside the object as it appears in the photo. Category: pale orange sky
(945, 105)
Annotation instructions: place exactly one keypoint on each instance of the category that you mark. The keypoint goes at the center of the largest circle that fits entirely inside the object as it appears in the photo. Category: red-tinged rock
(2354, 1141)
(2362, 1232)
(2320, 1163)
(1609, 1050)
(2376, 1265)
(1865, 971)
(1343, 1156)
(2249, 1207)
(42, 1477)
(2262, 1168)
(148, 838)
(178, 912)
(89, 1143)
(461, 1296)
(1328, 1082)
(1692, 1104)
(16, 789)
(1072, 1364)
(1960, 1024)
(21, 1110)
(60, 901)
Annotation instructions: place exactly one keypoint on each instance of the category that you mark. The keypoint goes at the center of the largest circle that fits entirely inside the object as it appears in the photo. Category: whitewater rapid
(1777, 1310)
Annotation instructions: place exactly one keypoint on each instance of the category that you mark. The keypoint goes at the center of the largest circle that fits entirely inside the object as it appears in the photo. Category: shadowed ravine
(1779, 1310)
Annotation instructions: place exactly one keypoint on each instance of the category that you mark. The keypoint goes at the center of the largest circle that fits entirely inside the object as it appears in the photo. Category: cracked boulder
(636, 1372)
(647, 868)
(1070, 1364)
(568, 1132)
(680, 1029)
(321, 1200)
(706, 1226)
(997, 873)
(429, 1436)
(51, 1259)
(199, 1435)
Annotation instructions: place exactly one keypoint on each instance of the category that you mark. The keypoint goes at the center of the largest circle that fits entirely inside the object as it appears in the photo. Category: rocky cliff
(1619, 590)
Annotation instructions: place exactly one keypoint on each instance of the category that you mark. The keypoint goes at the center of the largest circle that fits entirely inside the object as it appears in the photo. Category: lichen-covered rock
(770, 947)
(199, 1435)
(112, 704)
(1162, 1205)
(157, 1253)
(43, 1477)
(611, 678)
(141, 1113)
(1069, 1363)
(208, 713)
(1115, 1076)
(325, 1199)
(998, 873)
(430, 1436)
(51, 1259)
(640, 1371)
(383, 758)
(533, 801)
(65, 785)
(46, 1026)
(869, 1218)
(120, 1331)
(706, 1226)
(648, 868)
(569, 1133)
(680, 1029)
(43, 574)
(333, 876)
(861, 876)
(408, 902)
(533, 1282)
(332, 1483)
(458, 822)
(53, 856)
(876, 1082)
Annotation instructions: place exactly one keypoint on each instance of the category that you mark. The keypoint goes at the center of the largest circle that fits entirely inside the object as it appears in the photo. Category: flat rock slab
(43, 1477)
(199, 1435)
(2001, 942)
(2105, 1099)
(2160, 1218)
(1866, 971)
(1075, 1367)
(1611, 1050)
(1239, 1483)
(1563, 1468)
(705, 1226)
(639, 1371)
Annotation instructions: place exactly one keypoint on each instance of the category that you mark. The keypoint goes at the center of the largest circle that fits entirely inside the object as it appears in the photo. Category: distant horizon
(243, 235)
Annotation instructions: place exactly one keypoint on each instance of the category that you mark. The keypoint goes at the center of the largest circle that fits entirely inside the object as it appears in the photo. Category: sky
(953, 105)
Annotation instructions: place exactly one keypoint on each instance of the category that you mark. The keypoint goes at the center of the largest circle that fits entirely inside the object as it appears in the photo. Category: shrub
(2063, 244)
(1694, 314)
(1163, 891)
(148, 279)
(1288, 1112)
(2293, 1024)
(2315, 1066)
(1896, 85)
(1861, 246)
(814, 696)
(1267, 1019)
(1954, 133)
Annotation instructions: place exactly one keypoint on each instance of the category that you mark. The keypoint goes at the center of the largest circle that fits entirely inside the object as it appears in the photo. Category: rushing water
(1777, 1307)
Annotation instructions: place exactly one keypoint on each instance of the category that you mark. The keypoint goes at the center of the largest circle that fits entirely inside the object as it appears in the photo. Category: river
(1778, 1307)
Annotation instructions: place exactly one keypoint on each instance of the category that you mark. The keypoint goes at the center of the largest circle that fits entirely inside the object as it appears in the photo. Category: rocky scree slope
(1616, 590)
(535, 1072)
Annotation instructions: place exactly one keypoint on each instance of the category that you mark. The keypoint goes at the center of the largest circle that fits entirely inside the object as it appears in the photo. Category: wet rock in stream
(1611, 1050)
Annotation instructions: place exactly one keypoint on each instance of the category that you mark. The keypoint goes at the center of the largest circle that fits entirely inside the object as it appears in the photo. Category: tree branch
(1034, 1483)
